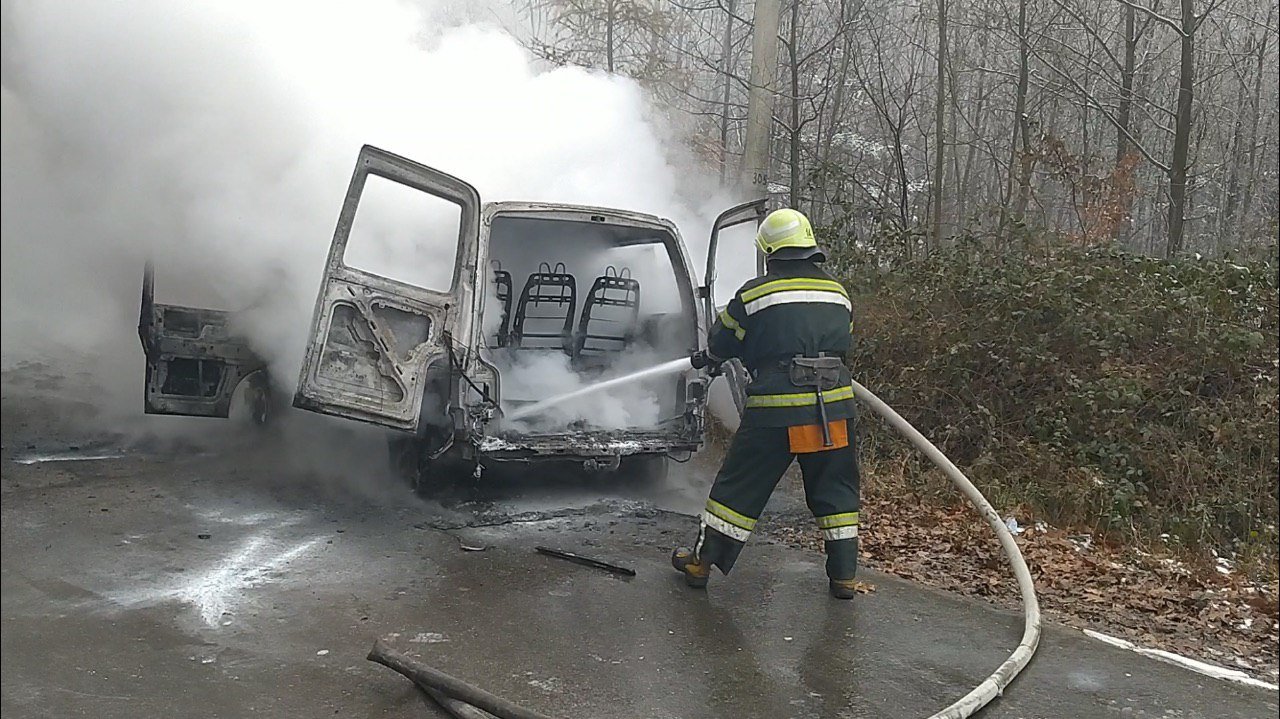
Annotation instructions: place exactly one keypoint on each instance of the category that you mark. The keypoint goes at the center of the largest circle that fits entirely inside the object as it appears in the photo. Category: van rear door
(396, 302)
(195, 360)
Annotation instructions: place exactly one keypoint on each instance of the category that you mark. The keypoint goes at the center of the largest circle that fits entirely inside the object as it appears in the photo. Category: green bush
(1099, 388)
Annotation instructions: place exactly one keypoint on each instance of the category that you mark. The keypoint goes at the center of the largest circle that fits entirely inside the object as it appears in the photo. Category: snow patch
(1195, 665)
(429, 638)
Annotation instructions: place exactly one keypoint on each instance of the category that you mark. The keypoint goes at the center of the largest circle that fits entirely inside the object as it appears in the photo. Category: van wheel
(445, 476)
(254, 401)
(402, 454)
(645, 470)
(262, 401)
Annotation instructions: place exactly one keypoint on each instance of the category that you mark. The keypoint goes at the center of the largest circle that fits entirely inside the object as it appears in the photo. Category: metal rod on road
(586, 561)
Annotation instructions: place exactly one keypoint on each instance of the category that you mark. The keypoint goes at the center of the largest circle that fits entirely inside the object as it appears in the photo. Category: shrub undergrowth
(1120, 393)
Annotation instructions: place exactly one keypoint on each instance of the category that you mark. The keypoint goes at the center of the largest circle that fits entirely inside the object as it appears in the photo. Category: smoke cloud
(218, 137)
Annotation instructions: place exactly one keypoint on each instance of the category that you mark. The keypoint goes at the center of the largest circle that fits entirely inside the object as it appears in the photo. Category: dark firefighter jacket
(794, 309)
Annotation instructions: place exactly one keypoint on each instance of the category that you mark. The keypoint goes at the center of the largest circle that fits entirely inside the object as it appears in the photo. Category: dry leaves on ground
(1149, 596)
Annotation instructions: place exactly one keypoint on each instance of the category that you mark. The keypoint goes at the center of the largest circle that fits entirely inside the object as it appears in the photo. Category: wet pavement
(220, 585)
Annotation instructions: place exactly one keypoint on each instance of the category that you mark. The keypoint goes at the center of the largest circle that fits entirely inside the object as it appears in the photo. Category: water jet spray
(671, 367)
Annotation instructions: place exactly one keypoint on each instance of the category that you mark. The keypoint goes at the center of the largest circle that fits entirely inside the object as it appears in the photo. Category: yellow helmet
(787, 235)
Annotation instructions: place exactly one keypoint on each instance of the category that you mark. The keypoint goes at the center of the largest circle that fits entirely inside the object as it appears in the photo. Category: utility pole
(753, 180)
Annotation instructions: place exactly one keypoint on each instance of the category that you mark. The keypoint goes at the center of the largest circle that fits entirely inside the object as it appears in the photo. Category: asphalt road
(217, 581)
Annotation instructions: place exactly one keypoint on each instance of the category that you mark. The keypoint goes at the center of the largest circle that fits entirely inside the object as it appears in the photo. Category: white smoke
(218, 136)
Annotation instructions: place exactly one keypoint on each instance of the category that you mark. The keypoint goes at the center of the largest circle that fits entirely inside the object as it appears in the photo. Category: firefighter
(791, 329)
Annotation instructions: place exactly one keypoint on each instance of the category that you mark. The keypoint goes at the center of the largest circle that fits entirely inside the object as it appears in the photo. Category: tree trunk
(1230, 200)
(1182, 133)
(953, 132)
(794, 63)
(1020, 159)
(1124, 113)
(837, 105)
(979, 133)
(1252, 165)
(726, 65)
(939, 118)
(610, 14)
(900, 162)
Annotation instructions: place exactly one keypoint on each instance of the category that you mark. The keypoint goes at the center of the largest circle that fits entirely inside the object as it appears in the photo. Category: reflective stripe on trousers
(836, 527)
(726, 521)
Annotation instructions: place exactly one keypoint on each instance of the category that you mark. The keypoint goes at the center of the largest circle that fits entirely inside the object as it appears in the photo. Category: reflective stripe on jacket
(794, 309)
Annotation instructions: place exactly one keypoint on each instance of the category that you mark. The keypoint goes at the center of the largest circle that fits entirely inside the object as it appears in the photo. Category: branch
(1145, 111)
(1091, 102)
(693, 8)
(691, 96)
(993, 71)
(1092, 32)
(716, 70)
(735, 16)
(1266, 25)
(1150, 12)
(1213, 5)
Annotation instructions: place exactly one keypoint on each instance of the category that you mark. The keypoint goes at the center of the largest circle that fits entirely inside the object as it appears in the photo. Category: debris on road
(433, 680)
(586, 561)
(456, 709)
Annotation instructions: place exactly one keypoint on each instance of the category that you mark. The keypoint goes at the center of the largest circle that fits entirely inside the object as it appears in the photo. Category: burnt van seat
(503, 285)
(544, 314)
(609, 314)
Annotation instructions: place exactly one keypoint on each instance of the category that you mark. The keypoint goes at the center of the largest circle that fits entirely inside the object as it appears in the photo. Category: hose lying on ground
(994, 685)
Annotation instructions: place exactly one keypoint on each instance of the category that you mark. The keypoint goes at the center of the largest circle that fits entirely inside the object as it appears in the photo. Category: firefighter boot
(843, 588)
(695, 572)
(842, 566)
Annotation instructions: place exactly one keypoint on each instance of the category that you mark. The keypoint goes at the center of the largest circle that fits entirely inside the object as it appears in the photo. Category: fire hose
(994, 685)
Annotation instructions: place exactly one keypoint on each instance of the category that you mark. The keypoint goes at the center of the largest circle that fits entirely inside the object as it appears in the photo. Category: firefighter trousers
(757, 459)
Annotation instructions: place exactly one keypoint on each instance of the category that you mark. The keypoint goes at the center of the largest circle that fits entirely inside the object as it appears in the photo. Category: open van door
(195, 361)
(753, 211)
(398, 288)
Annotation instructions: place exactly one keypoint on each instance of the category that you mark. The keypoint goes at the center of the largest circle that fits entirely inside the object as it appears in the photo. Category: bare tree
(1150, 123)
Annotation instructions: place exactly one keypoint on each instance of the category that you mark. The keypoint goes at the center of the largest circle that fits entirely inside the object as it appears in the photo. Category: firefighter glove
(703, 360)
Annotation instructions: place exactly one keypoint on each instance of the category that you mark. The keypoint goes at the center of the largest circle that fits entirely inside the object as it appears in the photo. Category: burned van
(440, 318)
